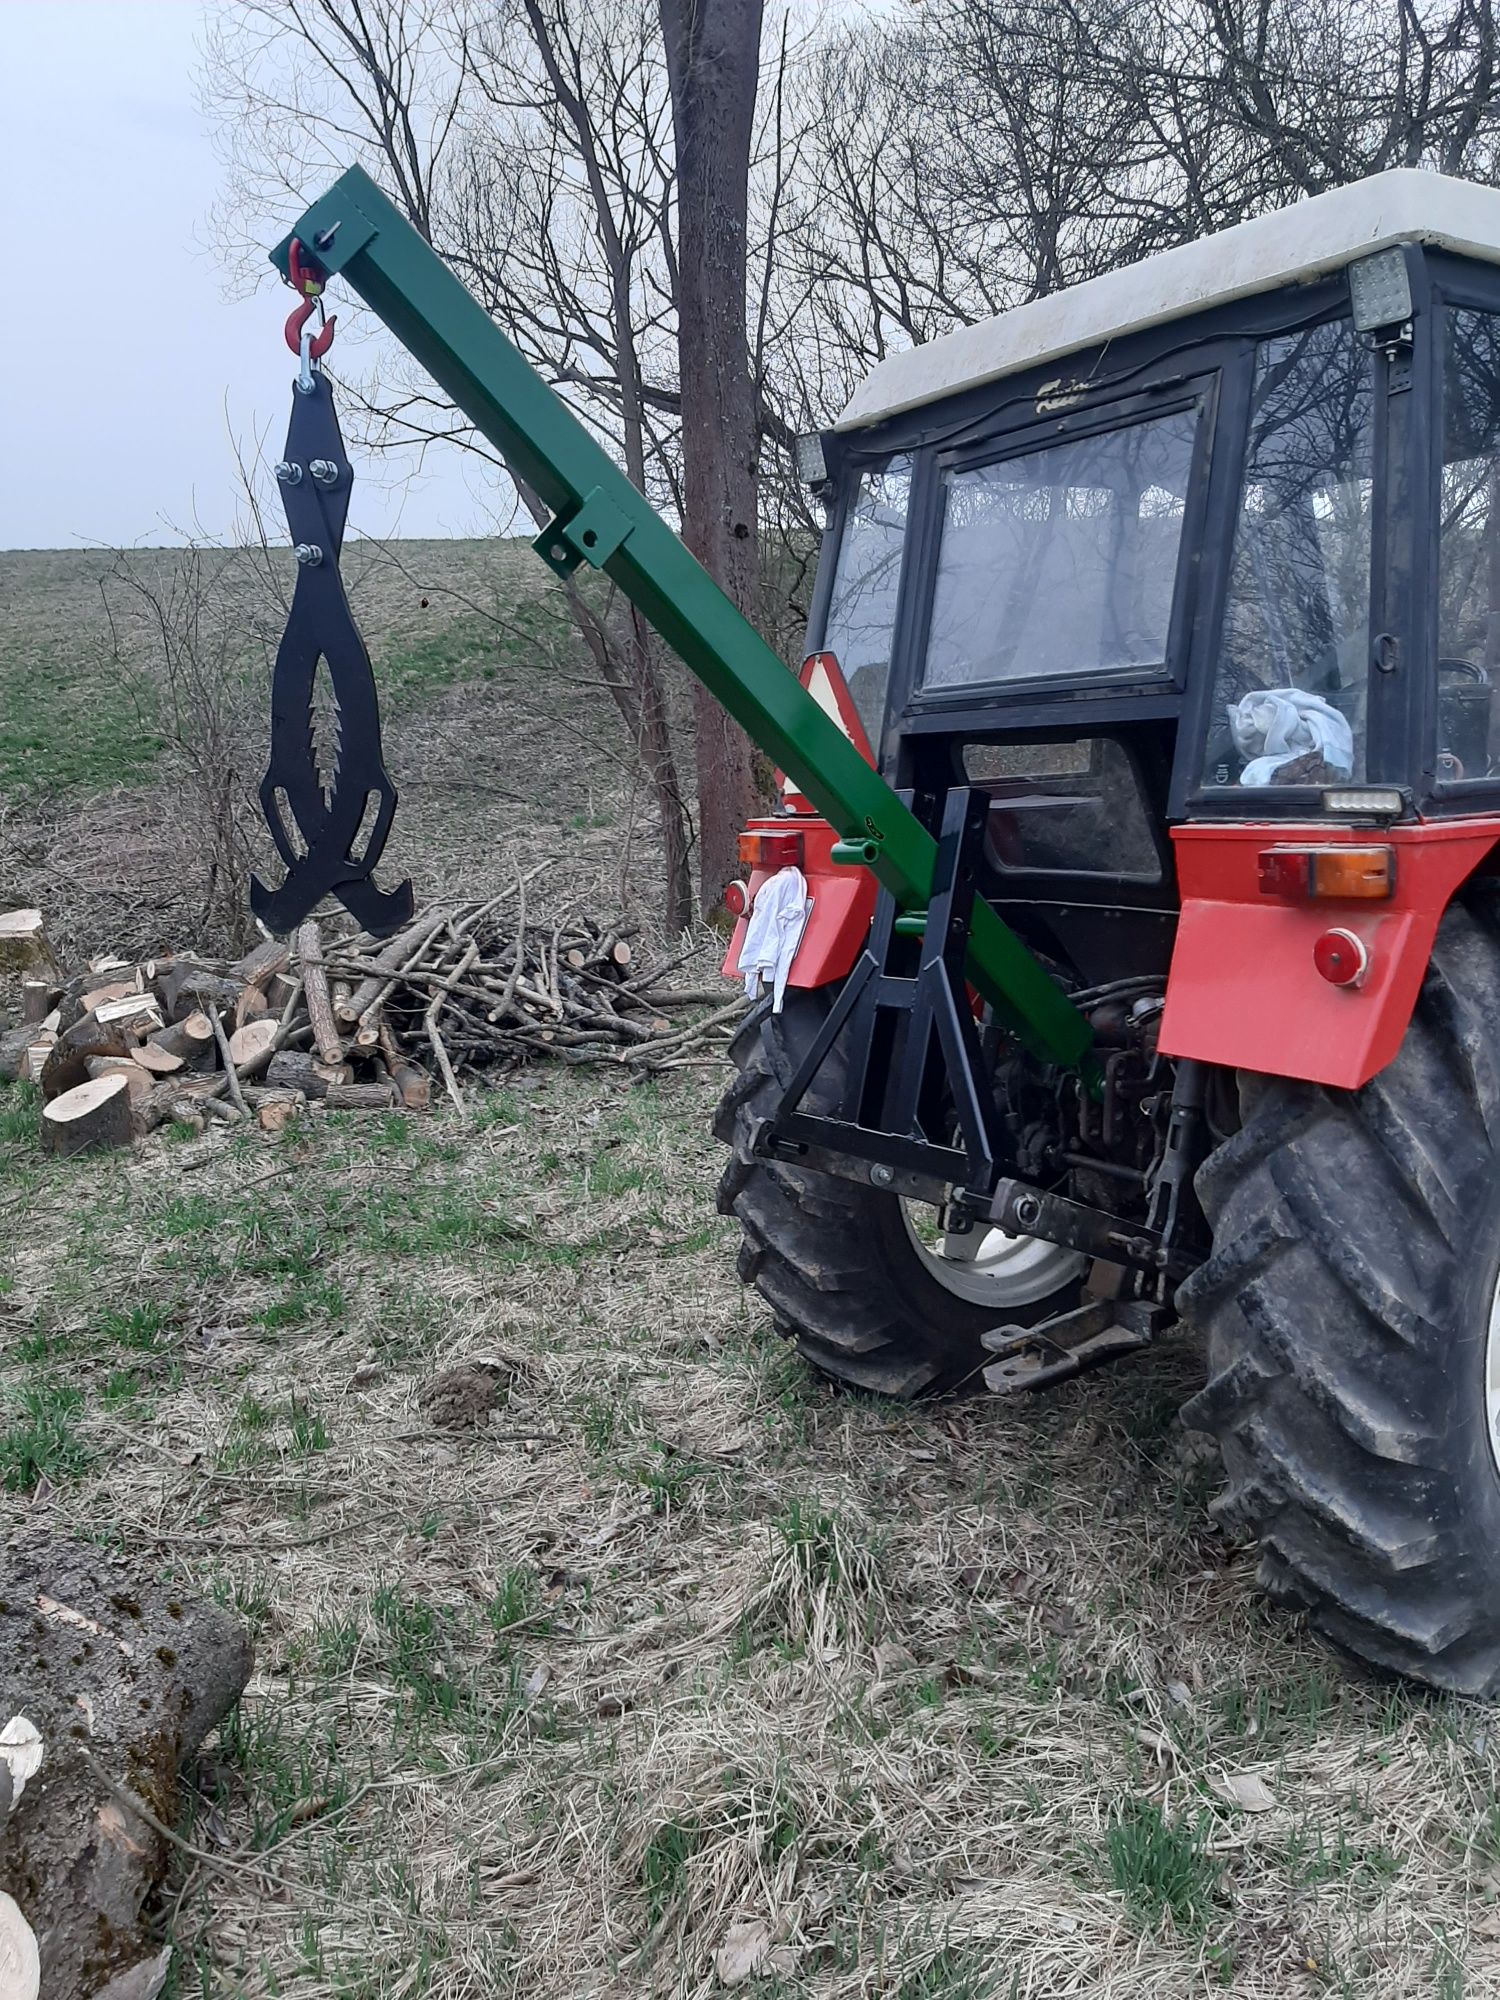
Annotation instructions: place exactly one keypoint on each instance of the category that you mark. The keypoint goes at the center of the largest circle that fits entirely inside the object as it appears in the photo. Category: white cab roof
(1291, 245)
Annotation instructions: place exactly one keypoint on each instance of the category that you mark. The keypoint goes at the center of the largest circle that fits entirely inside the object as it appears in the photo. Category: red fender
(843, 905)
(1243, 988)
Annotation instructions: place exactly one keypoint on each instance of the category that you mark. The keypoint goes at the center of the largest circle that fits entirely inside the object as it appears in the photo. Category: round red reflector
(737, 898)
(1341, 957)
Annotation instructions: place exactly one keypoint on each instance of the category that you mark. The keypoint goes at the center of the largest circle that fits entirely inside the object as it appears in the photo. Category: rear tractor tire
(1353, 1332)
(866, 1293)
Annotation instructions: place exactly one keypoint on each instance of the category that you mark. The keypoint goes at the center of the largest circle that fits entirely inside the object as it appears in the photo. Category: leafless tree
(973, 157)
(713, 62)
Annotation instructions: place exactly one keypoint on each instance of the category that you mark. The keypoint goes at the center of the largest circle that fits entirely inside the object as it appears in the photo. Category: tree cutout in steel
(326, 770)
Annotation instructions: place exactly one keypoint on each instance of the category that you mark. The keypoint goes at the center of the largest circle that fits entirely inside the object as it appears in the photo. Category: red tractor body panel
(843, 905)
(1244, 989)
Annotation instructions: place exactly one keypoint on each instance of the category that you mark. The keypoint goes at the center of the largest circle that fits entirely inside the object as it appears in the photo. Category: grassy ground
(676, 1649)
(676, 1667)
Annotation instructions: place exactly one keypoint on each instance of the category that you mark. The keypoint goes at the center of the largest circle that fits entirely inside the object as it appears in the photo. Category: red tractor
(1171, 605)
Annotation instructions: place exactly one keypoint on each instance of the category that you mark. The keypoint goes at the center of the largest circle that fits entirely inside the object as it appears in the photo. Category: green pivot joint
(602, 520)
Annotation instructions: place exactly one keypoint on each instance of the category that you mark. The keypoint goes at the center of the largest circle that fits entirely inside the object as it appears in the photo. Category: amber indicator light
(1328, 874)
(771, 850)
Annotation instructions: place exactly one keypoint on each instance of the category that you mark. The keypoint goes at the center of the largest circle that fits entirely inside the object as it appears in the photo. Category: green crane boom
(601, 519)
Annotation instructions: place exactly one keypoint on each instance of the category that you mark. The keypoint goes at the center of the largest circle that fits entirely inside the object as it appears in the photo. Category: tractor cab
(1203, 542)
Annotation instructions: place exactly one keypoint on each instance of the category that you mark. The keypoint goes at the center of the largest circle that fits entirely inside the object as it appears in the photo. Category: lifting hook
(306, 278)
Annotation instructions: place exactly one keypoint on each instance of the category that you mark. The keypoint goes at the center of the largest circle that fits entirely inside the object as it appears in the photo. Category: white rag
(1274, 725)
(778, 917)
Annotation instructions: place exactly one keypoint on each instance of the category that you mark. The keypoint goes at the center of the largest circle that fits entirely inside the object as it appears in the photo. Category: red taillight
(771, 850)
(1324, 874)
(1342, 958)
(737, 898)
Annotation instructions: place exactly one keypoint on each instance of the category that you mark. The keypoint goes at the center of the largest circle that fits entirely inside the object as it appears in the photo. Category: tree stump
(90, 1118)
(23, 942)
(122, 1679)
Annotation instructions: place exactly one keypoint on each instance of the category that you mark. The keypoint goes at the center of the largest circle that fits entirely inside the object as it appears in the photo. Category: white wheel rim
(991, 1268)
(1492, 1378)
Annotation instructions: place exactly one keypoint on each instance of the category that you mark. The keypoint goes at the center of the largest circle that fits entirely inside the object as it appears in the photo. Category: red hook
(306, 277)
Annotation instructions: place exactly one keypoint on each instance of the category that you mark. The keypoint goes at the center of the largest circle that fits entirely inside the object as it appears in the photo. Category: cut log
(13, 1046)
(20, 1960)
(38, 998)
(123, 1676)
(252, 1005)
(96, 996)
(251, 1047)
(107, 964)
(382, 1096)
(90, 1118)
(191, 1039)
(262, 964)
(182, 1099)
(156, 1060)
(315, 991)
(35, 1060)
(293, 1069)
(188, 988)
(277, 1109)
(137, 1081)
(279, 989)
(23, 942)
(411, 1083)
(136, 1013)
(67, 1060)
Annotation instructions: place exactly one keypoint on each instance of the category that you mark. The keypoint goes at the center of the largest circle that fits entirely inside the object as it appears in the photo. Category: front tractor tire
(844, 1267)
(1353, 1335)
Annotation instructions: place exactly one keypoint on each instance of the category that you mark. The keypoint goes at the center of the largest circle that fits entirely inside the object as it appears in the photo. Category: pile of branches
(476, 985)
(354, 1023)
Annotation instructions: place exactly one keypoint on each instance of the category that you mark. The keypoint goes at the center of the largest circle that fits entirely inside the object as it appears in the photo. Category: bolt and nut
(289, 475)
(324, 470)
(1027, 1210)
(883, 1176)
(309, 554)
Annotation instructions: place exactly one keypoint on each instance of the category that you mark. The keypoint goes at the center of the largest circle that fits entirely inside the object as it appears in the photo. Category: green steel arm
(601, 519)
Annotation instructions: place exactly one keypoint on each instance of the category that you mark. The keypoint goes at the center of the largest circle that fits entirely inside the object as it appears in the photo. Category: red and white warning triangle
(824, 680)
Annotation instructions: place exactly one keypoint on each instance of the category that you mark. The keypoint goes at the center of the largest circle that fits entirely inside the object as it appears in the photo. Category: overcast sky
(126, 365)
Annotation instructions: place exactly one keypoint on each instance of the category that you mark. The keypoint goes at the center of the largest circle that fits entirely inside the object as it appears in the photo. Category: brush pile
(352, 1023)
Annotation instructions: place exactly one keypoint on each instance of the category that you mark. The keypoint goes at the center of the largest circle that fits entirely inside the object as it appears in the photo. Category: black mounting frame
(909, 1018)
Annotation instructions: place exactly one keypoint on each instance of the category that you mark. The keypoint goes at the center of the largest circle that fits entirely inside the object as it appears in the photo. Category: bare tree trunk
(713, 62)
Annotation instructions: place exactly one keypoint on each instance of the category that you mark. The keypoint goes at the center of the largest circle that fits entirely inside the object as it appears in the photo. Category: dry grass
(677, 1646)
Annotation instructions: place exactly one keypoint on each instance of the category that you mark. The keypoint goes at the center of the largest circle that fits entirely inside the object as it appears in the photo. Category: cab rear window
(1062, 562)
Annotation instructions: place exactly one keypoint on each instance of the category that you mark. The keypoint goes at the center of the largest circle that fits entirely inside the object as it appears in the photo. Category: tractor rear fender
(1244, 988)
(843, 904)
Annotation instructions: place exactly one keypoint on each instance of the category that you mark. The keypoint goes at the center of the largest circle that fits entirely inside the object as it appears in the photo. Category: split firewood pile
(349, 1023)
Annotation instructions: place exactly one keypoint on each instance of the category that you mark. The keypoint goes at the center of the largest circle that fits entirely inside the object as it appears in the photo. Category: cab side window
(861, 623)
(1289, 701)
(1468, 665)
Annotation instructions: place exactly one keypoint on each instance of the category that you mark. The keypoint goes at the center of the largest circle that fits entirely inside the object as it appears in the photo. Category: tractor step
(1036, 1357)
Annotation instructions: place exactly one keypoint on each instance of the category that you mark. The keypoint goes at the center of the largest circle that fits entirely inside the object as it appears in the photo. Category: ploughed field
(601, 1651)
